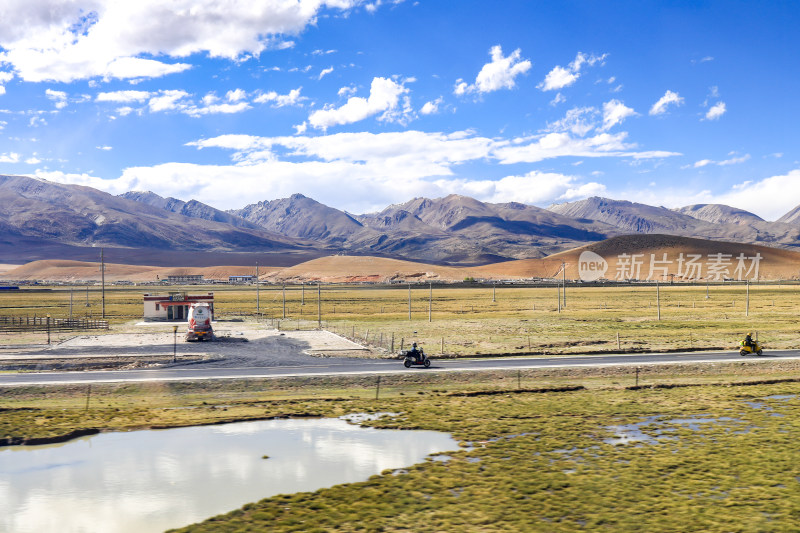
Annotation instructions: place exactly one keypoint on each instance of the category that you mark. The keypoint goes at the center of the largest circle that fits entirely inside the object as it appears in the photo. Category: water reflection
(154, 480)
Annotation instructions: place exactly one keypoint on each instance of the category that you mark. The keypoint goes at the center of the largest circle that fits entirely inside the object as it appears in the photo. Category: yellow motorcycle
(745, 350)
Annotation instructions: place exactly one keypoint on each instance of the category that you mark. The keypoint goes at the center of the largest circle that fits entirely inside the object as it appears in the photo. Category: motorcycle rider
(415, 353)
(748, 341)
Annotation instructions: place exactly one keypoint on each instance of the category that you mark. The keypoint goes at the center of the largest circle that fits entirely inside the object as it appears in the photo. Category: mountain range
(40, 219)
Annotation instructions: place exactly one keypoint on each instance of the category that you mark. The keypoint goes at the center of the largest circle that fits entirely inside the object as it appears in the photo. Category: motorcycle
(420, 360)
(745, 350)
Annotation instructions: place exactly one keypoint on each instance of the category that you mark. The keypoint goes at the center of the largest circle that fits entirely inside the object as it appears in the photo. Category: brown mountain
(792, 217)
(634, 218)
(486, 229)
(719, 214)
(42, 220)
(37, 214)
(192, 208)
(302, 217)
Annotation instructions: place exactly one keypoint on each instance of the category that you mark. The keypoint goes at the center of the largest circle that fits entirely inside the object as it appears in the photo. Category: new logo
(591, 266)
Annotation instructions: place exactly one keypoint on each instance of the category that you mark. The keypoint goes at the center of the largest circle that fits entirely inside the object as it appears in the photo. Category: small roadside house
(174, 306)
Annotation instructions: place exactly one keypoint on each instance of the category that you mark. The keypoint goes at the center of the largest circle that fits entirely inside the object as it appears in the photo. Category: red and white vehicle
(200, 323)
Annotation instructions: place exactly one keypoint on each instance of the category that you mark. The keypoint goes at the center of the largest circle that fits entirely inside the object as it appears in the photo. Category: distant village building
(186, 279)
(174, 306)
(240, 279)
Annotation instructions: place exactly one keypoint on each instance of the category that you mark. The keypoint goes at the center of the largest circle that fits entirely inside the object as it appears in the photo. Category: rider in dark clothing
(415, 353)
(748, 341)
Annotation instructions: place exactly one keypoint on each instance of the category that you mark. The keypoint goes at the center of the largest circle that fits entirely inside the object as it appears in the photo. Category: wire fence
(18, 324)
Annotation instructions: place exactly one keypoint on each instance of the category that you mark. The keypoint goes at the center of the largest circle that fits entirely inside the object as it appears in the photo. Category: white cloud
(217, 109)
(236, 95)
(180, 101)
(734, 160)
(578, 120)
(6, 77)
(365, 171)
(560, 77)
(65, 41)
(499, 73)
(660, 107)
(3, 124)
(59, 98)
(348, 91)
(535, 187)
(33, 160)
(383, 98)
(726, 162)
(168, 101)
(378, 168)
(554, 145)
(432, 107)
(325, 72)
(2, 90)
(123, 96)
(10, 157)
(104, 148)
(281, 100)
(777, 195)
(716, 111)
(559, 98)
(614, 112)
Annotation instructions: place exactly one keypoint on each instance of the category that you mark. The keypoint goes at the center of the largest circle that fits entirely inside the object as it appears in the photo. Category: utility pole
(658, 300)
(174, 344)
(319, 306)
(430, 300)
(409, 301)
(558, 287)
(494, 287)
(302, 294)
(258, 301)
(564, 281)
(747, 305)
(70, 304)
(103, 282)
(284, 301)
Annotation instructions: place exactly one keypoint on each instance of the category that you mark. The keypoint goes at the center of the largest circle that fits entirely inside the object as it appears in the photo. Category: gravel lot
(238, 344)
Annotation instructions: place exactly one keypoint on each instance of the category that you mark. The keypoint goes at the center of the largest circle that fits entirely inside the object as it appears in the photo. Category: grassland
(721, 454)
(483, 319)
(536, 461)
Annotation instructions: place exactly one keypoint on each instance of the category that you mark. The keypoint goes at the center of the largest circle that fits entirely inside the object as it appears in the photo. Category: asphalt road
(314, 366)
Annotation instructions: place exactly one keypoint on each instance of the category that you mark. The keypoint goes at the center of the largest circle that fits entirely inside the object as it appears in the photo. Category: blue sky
(364, 104)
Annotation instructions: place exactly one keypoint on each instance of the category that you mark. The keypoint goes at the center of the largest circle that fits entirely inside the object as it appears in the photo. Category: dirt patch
(150, 345)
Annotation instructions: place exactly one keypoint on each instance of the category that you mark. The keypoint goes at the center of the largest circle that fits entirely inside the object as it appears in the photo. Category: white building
(174, 306)
(186, 279)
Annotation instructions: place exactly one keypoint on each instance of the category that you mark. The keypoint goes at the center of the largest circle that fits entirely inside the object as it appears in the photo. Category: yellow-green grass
(538, 460)
(484, 320)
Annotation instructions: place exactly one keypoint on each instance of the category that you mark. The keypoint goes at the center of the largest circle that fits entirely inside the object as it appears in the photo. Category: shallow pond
(154, 480)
